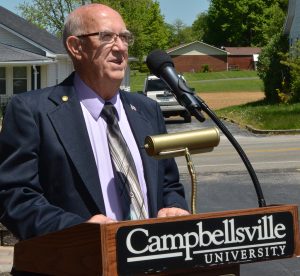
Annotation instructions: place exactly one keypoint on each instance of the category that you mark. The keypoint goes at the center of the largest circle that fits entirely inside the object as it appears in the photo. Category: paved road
(224, 184)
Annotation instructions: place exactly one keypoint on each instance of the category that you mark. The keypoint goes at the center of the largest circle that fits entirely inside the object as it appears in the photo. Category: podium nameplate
(204, 243)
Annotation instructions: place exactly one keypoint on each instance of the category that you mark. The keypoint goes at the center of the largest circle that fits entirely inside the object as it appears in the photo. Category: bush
(139, 66)
(292, 61)
(274, 74)
(205, 68)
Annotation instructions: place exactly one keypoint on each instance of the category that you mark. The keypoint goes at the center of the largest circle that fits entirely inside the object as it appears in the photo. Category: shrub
(205, 68)
(139, 66)
(292, 61)
(274, 74)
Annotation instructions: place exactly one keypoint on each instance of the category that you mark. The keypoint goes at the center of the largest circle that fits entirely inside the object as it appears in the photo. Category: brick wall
(194, 63)
(242, 62)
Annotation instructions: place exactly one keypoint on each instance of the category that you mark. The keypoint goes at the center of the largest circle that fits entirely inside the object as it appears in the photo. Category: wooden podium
(212, 243)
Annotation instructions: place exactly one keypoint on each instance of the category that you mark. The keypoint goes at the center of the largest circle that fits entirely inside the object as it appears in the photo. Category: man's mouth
(117, 61)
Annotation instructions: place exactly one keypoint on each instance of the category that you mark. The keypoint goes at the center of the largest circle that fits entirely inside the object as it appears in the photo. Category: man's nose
(120, 44)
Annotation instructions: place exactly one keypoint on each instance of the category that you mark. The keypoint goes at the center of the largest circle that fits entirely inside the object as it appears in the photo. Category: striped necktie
(124, 168)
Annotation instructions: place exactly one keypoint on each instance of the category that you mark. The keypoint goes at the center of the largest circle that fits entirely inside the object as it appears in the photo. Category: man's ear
(73, 44)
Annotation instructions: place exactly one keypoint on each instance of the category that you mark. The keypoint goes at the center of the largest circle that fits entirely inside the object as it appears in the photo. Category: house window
(2, 81)
(19, 79)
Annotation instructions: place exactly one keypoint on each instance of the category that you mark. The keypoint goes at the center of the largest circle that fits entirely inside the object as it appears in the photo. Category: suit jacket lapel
(68, 121)
(141, 127)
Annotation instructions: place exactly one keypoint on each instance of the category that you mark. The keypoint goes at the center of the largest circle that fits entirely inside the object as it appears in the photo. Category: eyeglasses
(111, 37)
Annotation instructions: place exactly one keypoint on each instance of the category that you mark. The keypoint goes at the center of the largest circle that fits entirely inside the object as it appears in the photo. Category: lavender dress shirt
(92, 105)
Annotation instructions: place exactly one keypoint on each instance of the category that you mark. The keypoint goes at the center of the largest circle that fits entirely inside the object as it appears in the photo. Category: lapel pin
(133, 107)
(65, 98)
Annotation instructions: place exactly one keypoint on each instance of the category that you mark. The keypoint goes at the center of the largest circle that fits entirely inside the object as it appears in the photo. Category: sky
(186, 10)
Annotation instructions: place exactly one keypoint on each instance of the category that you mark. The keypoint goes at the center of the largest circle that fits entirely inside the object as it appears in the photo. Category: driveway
(217, 100)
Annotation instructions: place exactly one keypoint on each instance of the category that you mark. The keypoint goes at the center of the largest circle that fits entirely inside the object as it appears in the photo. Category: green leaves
(274, 74)
(143, 18)
(49, 15)
(243, 22)
(292, 61)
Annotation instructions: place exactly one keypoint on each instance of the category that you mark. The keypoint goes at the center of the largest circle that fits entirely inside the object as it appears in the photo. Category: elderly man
(74, 153)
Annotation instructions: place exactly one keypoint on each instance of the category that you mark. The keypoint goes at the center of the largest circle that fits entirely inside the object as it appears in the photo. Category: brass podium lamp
(184, 143)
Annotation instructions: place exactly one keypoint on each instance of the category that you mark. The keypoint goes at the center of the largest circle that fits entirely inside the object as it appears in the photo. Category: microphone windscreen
(157, 60)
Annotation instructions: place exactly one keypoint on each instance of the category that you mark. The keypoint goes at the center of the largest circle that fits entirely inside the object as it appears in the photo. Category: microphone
(174, 144)
(162, 66)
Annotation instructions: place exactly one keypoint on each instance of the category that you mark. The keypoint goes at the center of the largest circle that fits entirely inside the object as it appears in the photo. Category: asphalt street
(223, 182)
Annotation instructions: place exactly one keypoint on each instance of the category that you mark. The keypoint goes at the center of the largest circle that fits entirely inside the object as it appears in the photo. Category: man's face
(102, 60)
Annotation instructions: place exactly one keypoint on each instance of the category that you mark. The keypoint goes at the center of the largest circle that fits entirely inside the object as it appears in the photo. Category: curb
(272, 132)
(263, 131)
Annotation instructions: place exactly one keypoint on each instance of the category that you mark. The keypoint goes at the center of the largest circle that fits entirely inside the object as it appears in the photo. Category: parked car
(159, 91)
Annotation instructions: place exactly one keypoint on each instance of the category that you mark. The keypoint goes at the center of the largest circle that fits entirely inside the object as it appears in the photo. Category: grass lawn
(137, 80)
(230, 81)
(258, 114)
(219, 75)
(264, 116)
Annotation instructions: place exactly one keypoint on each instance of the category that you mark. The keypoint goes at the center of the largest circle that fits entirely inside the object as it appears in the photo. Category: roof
(169, 51)
(31, 32)
(11, 54)
(243, 51)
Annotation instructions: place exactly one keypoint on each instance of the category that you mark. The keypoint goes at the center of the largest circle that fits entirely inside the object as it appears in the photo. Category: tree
(179, 33)
(274, 74)
(156, 34)
(199, 26)
(49, 15)
(279, 68)
(292, 61)
(143, 18)
(274, 18)
(243, 22)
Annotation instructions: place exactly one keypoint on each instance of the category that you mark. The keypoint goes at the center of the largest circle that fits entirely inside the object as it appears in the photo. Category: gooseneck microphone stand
(161, 65)
(195, 109)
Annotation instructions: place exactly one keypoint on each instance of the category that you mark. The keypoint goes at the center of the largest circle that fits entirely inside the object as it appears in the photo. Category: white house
(292, 23)
(30, 58)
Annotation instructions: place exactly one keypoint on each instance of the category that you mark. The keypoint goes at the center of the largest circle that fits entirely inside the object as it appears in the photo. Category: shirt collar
(92, 101)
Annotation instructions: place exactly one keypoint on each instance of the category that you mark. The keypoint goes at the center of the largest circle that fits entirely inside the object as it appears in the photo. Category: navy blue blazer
(48, 175)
